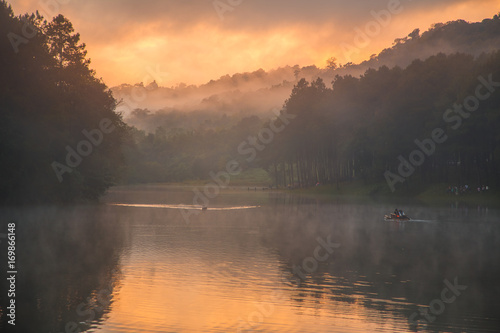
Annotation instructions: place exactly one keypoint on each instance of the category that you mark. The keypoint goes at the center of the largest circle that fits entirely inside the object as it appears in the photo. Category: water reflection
(182, 207)
(67, 267)
(288, 264)
(391, 267)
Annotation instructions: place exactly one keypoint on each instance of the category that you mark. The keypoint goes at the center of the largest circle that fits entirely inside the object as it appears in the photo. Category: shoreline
(429, 195)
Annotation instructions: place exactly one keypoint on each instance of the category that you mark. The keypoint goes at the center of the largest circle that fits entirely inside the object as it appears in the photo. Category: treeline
(366, 128)
(260, 91)
(450, 37)
(397, 126)
(180, 121)
(60, 139)
(181, 154)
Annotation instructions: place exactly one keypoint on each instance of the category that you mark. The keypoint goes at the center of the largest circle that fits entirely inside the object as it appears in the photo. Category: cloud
(189, 39)
(243, 14)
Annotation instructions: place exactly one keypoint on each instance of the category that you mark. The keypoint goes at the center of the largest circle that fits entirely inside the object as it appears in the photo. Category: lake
(147, 260)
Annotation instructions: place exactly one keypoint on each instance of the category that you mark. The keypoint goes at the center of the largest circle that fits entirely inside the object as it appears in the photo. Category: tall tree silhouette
(49, 97)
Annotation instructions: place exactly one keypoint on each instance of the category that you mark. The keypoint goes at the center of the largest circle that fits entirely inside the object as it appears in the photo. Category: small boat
(394, 217)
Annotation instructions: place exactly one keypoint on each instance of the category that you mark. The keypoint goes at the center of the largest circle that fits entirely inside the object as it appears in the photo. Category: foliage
(354, 130)
(359, 127)
(48, 96)
(174, 155)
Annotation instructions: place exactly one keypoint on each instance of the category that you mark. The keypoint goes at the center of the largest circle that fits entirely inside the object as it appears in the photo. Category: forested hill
(437, 120)
(260, 92)
(448, 38)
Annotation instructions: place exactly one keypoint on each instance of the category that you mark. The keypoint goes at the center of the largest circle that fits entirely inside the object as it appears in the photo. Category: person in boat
(396, 212)
(401, 213)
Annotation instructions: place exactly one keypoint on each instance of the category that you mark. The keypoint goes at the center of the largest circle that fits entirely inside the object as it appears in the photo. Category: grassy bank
(437, 194)
(431, 194)
(427, 194)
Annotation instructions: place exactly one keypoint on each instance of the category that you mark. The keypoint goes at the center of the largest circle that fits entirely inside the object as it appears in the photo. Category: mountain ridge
(263, 92)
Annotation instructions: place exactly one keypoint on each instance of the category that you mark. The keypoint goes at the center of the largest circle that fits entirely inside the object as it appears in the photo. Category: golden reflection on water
(193, 304)
(230, 270)
(179, 280)
(187, 207)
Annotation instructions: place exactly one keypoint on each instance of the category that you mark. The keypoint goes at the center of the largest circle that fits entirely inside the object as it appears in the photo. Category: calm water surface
(255, 261)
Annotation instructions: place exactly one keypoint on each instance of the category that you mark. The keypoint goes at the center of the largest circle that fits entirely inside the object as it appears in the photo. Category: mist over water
(139, 266)
(160, 258)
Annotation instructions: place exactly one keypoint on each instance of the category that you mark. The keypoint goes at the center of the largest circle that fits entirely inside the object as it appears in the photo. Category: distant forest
(260, 92)
(63, 141)
(355, 129)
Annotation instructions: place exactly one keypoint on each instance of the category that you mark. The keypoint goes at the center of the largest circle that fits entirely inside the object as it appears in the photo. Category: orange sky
(193, 42)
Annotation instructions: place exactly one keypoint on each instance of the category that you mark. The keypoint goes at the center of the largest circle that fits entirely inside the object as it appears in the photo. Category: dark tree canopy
(48, 97)
(355, 130)
(360, 127)
(61, 139)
